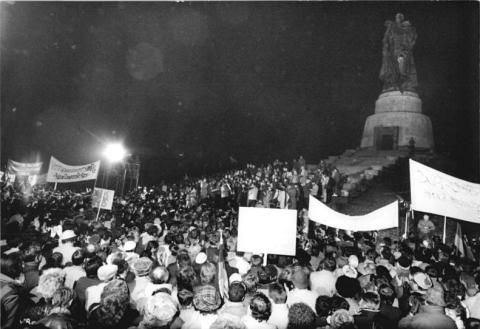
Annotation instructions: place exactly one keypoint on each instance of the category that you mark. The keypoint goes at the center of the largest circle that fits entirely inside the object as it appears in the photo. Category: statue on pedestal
(398, 68)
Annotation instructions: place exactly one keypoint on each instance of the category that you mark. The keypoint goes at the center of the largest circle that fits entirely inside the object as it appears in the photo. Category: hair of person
(347, 287)
(50, 280)
(472, 323)
(328, 264)
(78, 257)
(62, 297)
(260, 307)
(370, 300)
(277, 293)
(122, 265)
(323, 305)
(300, 277)
(152, 230)
(185, 297)
(11, 265)
(301, 316)
(251, 282)
(92, 265)
(339, 303)
(387, 294)
(159, 274)
(208, 271)
(56, 259)
(183, 259)
(187, 278)
(31, 252)
(236, 292)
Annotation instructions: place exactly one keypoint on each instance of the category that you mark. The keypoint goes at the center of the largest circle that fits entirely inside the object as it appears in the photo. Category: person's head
(207, 273)
(62, 297)
(50, 280)
(183, 259)
(301, 316)
(251, 282)
(472, 323)
(114, 301)
(78, 257)
(185, 297)
(158, 311)
(328, 264)
(11, 265)
(260, 307)
(142, 266)
(277, 293)
(92, 266)
(340, 318)
(370, 301)
(300, 277)
(68, 236)
(347, 287)
(236, 292)
(206, 299)
(187, 278)
(159, 275)
(339, 303)
(387, 294)
(323, 305)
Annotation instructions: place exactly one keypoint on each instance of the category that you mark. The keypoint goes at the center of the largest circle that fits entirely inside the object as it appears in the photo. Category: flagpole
(444, 228)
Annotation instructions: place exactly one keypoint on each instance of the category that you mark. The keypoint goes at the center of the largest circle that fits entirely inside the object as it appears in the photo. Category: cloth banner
(23, 169)
(380, 219)
(102, 198)
(10, 178)
(61, 173)
(267, 231)
(435, 192)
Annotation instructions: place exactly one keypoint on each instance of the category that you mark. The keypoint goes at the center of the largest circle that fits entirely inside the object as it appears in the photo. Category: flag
(222, 272)
(458, 242)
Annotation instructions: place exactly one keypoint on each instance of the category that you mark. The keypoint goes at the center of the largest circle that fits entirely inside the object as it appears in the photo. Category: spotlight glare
(115, 152)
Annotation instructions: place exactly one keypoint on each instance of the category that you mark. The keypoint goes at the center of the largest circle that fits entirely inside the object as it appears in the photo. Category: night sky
(188, 85)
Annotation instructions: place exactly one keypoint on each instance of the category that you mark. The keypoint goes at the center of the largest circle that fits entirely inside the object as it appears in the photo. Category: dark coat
(10, 293)
(429, 317)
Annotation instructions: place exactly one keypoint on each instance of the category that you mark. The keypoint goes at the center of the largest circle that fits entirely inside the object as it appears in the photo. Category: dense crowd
(166, 257)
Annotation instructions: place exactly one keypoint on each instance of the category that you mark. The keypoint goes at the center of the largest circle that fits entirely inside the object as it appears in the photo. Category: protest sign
(268, 231)
(23, 169)
(380, 219)
(435, 192)
(102, 198)
(59, 172)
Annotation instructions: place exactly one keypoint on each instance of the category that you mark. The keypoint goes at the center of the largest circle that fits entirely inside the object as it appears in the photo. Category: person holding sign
(425, 228)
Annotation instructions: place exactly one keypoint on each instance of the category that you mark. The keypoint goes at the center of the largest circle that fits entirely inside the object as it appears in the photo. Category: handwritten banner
(102, 198)
(23, 168)
(380, 219)
(438, 193)
(61, 173)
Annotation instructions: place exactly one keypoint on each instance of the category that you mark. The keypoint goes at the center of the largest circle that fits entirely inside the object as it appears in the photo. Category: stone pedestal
(398, 117)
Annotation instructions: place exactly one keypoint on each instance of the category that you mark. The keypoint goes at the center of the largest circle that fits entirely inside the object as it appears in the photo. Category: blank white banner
(265, 230)
(380, 219)
(438, 193)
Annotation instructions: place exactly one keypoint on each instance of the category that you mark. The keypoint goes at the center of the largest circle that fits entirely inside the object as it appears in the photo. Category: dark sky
(186, 85)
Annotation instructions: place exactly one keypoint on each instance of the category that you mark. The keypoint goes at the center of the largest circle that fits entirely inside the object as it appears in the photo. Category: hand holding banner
(380, 219)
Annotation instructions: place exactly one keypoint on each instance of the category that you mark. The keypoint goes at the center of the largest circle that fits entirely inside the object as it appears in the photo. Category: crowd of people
(166, 257)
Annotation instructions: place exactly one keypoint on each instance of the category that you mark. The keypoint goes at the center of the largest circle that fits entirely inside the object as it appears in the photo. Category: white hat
(107, 272)
(349, 271)
(129, 246)
(68, 234)
(201, 258)
(234, 277)
(353, 261)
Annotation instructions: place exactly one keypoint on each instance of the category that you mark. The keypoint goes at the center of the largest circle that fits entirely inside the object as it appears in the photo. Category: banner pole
(406, 224)
(444, 228)
(55, 187)
(100, 205)
(265, 255)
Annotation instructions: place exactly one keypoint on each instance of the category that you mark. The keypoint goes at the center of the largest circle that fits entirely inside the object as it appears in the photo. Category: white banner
(102, 198)
(61, 173)
(23, 168)
(267, 231)
(380, 219)
(435, 192)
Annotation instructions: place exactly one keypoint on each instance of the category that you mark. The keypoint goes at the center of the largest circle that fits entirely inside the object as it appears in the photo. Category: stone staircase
(362, 166)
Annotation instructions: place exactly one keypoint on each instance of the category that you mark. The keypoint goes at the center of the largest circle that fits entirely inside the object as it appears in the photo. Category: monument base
(396, 121)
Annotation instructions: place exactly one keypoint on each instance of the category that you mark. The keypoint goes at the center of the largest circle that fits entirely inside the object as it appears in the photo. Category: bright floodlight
(115, 152)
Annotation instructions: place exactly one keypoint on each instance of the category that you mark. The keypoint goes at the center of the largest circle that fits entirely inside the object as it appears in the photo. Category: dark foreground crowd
(166, 257)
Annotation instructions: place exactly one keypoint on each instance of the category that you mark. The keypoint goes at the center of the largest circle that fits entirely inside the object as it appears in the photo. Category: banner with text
(438, 193)
(23, 168)
(380, 219)
(102, 198)
(266, 230)
(61, 173)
